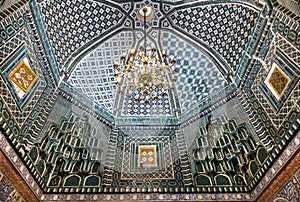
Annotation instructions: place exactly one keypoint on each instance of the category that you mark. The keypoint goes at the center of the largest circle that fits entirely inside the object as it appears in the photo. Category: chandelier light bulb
(132, 52)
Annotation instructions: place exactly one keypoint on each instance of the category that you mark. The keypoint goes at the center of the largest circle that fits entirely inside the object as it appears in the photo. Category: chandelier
(145, 74)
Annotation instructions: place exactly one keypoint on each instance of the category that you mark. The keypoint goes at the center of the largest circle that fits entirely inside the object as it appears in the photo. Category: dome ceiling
(227, 131)
(208, 40)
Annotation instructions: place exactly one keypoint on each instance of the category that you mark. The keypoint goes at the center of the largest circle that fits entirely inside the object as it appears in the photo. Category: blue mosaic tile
(159, 107)
(94, 74)
(224, 27)
(11, 27)
(196, 75)
(16, 43)
(72, 24)
(277, 111)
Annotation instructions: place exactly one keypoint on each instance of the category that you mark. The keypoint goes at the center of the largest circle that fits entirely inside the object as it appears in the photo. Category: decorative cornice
(286, 173)
(15, 178)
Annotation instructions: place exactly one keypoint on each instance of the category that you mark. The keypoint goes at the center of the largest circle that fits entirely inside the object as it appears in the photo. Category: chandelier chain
(143, 76)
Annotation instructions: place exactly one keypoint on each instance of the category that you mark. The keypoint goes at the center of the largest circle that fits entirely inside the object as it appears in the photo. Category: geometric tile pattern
(291, 5)
(159, 194)
(11, 45)
(153, 195)
(160, 107)
(196, 75)
(125, 171)
(278, 116)
(14, 38)
(287, 27)
(224, 27)
(19, 40)
(10, 27)
(157, 13)
(72, 24)
(287, 48)
(94, 74)
(63, 42)
(11, 5)
(147, 172)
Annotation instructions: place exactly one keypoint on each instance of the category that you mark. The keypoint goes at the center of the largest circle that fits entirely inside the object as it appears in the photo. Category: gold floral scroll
(277, 81)
(23, 76)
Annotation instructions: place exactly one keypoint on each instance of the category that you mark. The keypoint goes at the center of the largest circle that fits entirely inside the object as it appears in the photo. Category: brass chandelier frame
(142, 73)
